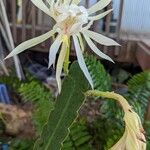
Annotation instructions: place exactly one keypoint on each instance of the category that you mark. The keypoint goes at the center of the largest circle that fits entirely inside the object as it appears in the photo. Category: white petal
(67, 1)
(81, 42)
(120, 145)
(81, 60)
(98, 6)
(132, 141)
(76, 2)
(62, 17)
(97, 17)
(40, 4)
(101, 39)
(96, 50)
(30, 43)
(133, 123)
(87, 26)
(75, 28)
(53, 50)
(50, 2)
(59, 67)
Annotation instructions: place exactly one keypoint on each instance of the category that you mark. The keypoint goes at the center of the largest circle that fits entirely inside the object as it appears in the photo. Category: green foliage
(21, 144)
(79, 137)
(147, 129)
(105, 132)
(139, 92)
(100, 77)
(137, 95)
(32, 91)
(11, 81)
(41, 98)
(65, 112)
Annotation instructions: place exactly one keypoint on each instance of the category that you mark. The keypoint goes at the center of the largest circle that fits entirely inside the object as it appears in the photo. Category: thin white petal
(40, 4)
(97, 17)
(50, 2)
(98, 6)
(59, 67)
(87, 26)
(76, 2)
(53, 50)
(132, 142)
(96, 50)
(81, 42)
(30, 43)
(81, 60)
(75, 28)
(101, 39)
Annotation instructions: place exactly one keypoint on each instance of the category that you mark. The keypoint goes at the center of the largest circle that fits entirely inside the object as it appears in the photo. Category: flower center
(70, 18)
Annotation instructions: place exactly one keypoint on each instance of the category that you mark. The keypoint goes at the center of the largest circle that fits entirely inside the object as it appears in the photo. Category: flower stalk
(133, 137)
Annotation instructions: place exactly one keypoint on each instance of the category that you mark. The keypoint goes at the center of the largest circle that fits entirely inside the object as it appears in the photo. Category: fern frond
(78, 139)
(41, 98)
(100, 77)
(34, 91)
(139, 92)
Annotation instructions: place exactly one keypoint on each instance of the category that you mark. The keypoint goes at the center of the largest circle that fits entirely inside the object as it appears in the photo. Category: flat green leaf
(67, 105)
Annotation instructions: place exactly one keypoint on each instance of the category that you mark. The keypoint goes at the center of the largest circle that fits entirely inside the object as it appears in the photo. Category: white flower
(71, 21)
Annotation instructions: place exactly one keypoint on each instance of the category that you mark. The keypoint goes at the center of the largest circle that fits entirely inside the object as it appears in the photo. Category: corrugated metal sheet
(136, 16)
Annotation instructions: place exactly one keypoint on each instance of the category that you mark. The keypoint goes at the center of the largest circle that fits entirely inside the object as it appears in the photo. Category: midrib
(60, 119)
